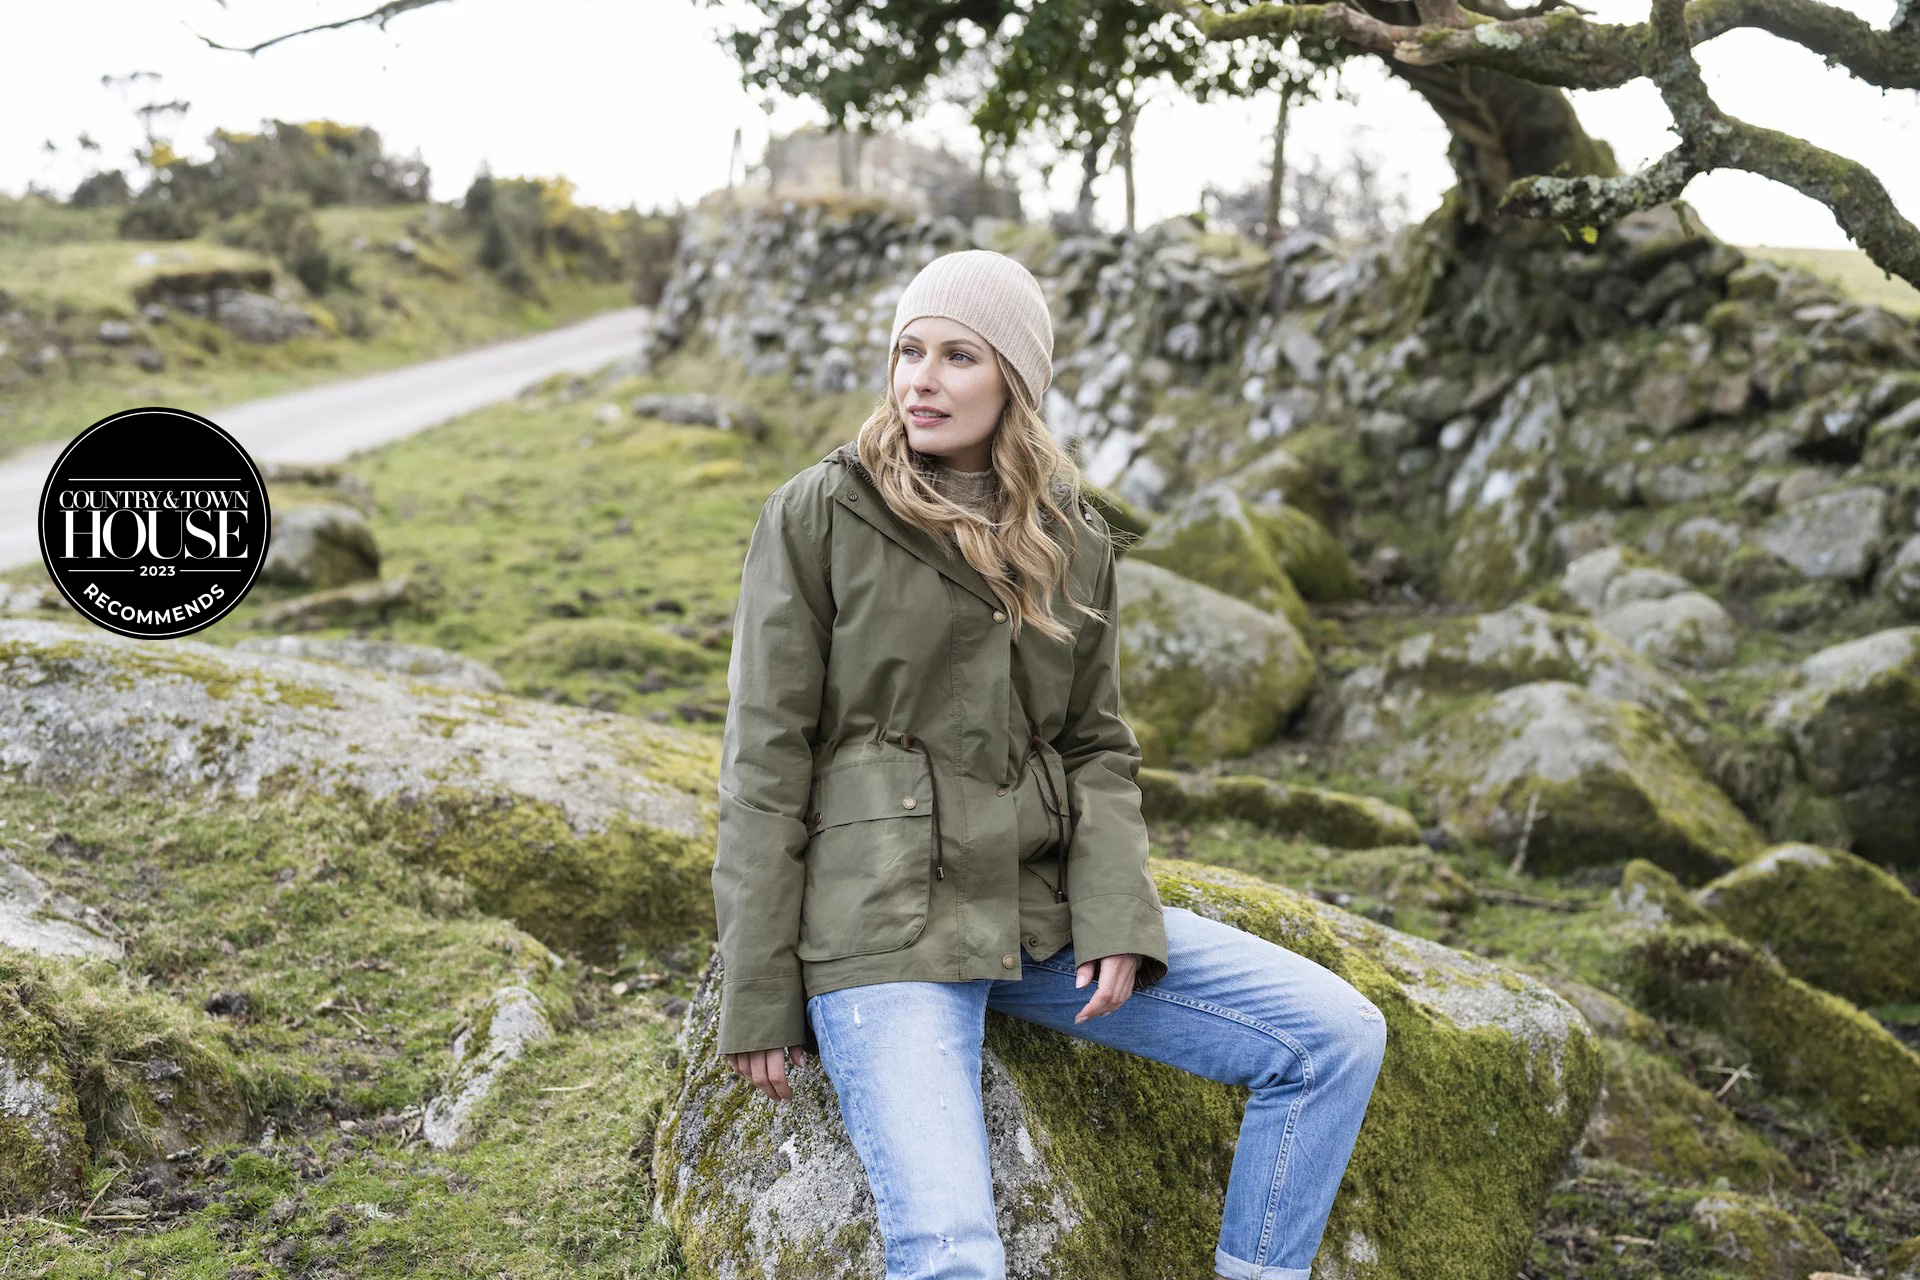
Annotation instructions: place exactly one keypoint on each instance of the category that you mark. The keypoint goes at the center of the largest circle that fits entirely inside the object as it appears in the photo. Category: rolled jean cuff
(1234, 1268)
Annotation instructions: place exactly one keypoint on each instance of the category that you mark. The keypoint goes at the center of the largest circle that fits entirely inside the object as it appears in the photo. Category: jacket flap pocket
(873, 789)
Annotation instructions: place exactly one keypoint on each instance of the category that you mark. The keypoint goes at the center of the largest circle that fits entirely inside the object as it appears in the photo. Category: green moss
(1831, 917)
(1654, 1118)
(1310, 556)
(602, 644)
(1805, 1043)
(1762, 1241)
(1312, 813)
(583, 890)
(1650, 894)
(1229, 553)
(1647, 799)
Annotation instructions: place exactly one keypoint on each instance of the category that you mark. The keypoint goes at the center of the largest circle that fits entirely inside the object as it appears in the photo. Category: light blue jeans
(1233, 1007)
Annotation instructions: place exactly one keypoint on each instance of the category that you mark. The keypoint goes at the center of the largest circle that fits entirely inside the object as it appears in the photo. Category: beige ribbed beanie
(994, 296)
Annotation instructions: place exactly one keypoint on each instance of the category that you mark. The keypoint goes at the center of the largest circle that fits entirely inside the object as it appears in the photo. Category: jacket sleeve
(1116, 908)
(775, 675)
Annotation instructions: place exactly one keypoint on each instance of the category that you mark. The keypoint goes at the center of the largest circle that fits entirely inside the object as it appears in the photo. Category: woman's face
(948, 368)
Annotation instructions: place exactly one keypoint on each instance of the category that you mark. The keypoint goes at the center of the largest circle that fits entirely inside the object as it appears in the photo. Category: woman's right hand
(766, 1070)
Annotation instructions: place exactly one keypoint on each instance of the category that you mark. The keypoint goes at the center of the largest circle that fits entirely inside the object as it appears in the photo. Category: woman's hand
(1116, 983)
(765, 1070)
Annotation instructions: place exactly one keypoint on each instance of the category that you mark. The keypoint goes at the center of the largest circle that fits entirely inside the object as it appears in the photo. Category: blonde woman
(928, 809)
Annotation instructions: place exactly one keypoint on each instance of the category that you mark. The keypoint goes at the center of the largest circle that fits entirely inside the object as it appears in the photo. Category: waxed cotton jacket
(906, 793)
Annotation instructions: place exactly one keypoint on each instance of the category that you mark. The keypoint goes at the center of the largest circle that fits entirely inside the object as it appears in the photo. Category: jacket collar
(872, 507)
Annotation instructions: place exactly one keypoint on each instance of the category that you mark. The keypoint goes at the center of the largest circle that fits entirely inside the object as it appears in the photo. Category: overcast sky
(635, 102)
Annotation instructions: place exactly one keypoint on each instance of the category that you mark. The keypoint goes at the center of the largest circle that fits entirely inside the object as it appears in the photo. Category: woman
(928, 809)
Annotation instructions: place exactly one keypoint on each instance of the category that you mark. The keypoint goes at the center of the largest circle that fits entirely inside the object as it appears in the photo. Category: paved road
(328, 423)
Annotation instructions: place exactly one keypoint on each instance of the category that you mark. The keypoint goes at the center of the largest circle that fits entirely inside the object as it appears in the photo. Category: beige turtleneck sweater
(975, 489)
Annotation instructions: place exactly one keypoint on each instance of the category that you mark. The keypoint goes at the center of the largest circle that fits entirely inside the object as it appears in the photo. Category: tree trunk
(1503, 128)
(1126, 160)
(1277, 172)
(1089, 170)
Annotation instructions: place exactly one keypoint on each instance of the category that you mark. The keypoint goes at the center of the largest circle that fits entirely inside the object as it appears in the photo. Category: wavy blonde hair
(1010, 544)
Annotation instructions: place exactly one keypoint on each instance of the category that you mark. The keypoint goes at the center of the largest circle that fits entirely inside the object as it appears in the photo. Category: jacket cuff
(762, 1013)
(1111, 924)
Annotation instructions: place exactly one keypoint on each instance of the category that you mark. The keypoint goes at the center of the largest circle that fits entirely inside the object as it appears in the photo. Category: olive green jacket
(906, 793)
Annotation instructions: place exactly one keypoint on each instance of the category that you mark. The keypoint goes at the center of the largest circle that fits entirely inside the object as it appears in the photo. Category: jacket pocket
(869, 863)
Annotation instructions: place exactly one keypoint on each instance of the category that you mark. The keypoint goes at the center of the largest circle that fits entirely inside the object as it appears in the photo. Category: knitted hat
(994, 296)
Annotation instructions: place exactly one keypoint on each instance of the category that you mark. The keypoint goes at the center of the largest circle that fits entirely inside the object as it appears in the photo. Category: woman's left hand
(1116, 983)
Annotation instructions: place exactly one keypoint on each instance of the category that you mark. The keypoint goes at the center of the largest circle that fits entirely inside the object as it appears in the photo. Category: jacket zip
(1060, 845)
(912, 743)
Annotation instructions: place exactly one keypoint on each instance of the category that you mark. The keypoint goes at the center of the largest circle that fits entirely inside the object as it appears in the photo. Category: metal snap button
(1033, 942)
(853, 497)
(999, 791)
(1007, 961)
(998, 616)
(909, 802)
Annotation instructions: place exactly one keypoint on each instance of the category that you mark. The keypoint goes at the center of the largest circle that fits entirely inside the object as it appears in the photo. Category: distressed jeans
(1233, 1007)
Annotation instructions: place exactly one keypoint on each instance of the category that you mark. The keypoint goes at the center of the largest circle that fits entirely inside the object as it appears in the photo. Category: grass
(291, 902)
(69, 274)
(1850, 271)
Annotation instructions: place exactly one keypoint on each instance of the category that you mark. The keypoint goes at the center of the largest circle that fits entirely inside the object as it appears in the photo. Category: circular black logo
(154, 523)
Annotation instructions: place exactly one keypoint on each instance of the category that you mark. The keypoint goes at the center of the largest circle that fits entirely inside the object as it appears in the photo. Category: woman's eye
(961, 355)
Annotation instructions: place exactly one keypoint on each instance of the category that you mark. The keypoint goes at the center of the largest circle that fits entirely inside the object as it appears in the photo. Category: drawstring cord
(1060, 846)
(939, 861)
(912, 743)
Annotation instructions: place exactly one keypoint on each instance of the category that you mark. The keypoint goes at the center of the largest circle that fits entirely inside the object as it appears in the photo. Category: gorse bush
(329, 163)
(284, 227)
(531, 227)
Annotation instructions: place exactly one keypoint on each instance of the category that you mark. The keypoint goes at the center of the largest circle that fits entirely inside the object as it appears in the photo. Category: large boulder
(1804, 1043)
(423, 661)
(1584, 779)
(36, 917)
(1487, 652)
(1210, 537)
(1204, 675)
(1829, 535)
(1488, 1081)
(43, 1147)
(320, 544)
(1853, 720)
(1832, 918)
(588, 829)
(1650, 610)
(1312, 813)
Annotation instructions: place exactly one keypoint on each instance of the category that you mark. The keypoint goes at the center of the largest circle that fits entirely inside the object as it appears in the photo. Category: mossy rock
(321, 545)
(1650, 894)
(91, 1070)
(1213, 676)
(1487, 1083)
(43, 1148)
(1652, 1117)
(1309, 554)
(1904, 1262)
(1500, 544)
(1761, 1241)
(1313, 813)
(1804, 1042)
(1831, 917)
(1403, 689)
(588, 830)
(1854, 722)
(1586, 778)
(604, 644)
(1211, 538)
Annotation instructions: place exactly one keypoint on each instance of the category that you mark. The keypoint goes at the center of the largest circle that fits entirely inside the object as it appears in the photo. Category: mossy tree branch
(1564, 49)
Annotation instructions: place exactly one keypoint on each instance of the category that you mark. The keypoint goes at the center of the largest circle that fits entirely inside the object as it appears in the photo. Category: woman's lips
(927, 419)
